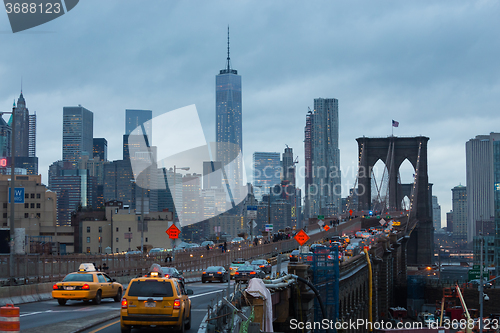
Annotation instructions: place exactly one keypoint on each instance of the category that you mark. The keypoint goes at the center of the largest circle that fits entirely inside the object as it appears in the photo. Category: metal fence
(50, 268)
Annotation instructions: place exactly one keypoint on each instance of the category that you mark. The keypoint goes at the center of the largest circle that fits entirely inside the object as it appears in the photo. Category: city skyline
(381, 62)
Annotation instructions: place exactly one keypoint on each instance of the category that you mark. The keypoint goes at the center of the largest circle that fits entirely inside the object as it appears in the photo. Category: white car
(238, 240)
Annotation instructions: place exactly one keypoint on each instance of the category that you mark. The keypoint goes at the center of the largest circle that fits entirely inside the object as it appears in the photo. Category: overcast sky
(433, 66)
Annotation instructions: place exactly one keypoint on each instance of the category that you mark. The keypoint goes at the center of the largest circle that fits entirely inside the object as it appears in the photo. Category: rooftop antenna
(228, 59)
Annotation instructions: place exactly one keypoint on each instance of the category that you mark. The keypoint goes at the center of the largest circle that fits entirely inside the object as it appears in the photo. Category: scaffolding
(325, 268)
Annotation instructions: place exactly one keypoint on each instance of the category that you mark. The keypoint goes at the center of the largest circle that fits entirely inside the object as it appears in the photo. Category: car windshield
(168, 270)
(259, 262)
(79, 278)
(238, 262)
(151, 288)
(246, 268)
(214, 269)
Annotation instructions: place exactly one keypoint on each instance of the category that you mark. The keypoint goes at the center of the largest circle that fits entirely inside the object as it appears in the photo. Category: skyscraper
(134, 119)
(25, 138)
(228, 122)
(78, 133)
(266, 172)
(436, 213)
(482, 169)
(101, 148)
(324, 194)
(459, 205)
(288, 166)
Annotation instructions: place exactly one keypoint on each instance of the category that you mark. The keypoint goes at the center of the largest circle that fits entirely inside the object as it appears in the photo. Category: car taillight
(204, 272)
(252, 273)
(290, 255)
(167, 276)
(237, 273)
(177, 304)
(85, 287)
(124, 303)
(261, 266)
(55, 287)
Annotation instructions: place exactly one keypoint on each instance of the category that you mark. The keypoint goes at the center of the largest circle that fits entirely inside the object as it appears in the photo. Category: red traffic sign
(173, 232)
(301, 237)
(326, 227)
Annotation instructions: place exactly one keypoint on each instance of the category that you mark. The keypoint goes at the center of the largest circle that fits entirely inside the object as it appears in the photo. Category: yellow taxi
(87, 284)
(154, 300)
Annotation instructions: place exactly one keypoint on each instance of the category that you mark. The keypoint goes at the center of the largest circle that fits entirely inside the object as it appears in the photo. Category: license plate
(69, 288)
(210, 274)
(150, 304)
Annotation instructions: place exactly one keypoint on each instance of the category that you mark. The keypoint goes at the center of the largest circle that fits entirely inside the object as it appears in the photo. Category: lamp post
(173, 195)
(142, 216)
(481, 291)
(12, 257)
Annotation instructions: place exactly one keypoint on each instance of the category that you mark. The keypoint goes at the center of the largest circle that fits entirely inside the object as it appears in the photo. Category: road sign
(250, 223)
(173, 232)
(127, 235)
(326, 227)
(474, 274)
(321, 223)
(382, 221)
(301, 237)
(18, 195)
(269, 227)
(321, 217)
(252, 212)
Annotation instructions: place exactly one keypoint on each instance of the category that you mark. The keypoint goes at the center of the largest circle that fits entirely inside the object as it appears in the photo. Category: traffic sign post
(473, 274)
(301, 237)
(173, 232)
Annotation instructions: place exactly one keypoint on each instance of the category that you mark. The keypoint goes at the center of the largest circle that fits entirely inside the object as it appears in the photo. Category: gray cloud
(431, 66)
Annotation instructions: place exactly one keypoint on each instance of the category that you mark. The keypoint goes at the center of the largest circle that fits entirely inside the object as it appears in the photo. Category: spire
(228, 59)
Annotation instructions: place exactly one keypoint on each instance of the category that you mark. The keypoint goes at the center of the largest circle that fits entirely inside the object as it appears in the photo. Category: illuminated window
(88, 239)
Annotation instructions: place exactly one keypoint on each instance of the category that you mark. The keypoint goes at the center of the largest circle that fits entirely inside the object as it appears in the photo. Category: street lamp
(173, 195)
(12, 194)
(142, 217)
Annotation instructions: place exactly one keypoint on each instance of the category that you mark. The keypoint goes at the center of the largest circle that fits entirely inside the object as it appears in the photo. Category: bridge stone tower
(393, 151)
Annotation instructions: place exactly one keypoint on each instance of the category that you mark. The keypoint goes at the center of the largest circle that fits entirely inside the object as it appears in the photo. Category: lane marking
(207, 293)
(105, 326)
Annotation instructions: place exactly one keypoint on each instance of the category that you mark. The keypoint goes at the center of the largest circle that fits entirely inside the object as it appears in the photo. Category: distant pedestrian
(208, 247)
(225, 247)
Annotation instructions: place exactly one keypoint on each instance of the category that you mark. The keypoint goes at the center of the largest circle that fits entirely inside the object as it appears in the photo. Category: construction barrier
(9, 319)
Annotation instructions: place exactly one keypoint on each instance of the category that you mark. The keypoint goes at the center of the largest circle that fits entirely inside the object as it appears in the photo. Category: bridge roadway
(49, 316)
(46, 315)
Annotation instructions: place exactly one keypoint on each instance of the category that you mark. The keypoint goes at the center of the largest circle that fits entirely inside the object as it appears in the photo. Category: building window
(88, 239)
(146, 239)
(4, 205)
(116, 229)
(100, 229)
(26, 215)
(26, 205)
(4, 215)
(100, 239)
(32, 195)
(38, 196)
(99, 250)
(26, 195)
(88, 229)
(129, 229)
(38, 215)
(117, 250)
(38, 205)
(32, 205)
(88, 249)
(117, 240)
